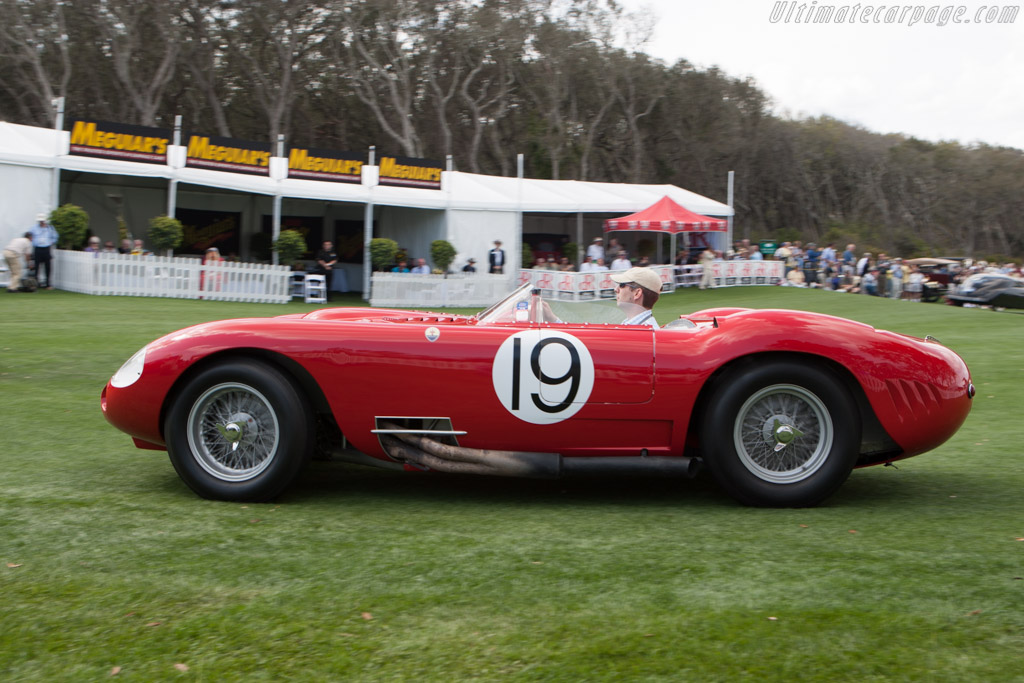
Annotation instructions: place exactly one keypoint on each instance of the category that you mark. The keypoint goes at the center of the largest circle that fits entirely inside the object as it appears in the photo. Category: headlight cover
(131, 371)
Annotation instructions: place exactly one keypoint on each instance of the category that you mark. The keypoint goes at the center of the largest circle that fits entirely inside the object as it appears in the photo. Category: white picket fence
(161, 276)
(437, 291)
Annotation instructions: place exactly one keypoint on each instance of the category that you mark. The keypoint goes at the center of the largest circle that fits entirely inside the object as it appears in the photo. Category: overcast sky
(960, 81)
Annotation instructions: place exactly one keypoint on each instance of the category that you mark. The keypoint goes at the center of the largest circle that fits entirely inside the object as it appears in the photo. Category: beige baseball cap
(645, 277)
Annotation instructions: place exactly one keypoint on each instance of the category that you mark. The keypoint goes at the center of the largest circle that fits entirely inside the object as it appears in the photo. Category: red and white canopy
(666, 216)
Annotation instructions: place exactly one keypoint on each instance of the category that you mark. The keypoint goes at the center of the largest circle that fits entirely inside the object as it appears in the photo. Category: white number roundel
(543, 376)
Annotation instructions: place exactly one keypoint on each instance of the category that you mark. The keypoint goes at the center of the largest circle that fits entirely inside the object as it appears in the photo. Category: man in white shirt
(862, 264)
(637, 291)
(421, 267)
(596, 249)
(621, 262)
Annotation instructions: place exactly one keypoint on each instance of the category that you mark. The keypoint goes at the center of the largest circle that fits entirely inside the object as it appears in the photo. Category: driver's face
(628, 294)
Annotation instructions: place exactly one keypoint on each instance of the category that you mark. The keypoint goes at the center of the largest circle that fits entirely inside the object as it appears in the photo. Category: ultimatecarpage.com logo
(795, 12)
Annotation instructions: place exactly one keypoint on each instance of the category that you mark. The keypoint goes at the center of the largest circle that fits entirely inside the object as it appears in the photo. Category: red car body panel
(371, 364)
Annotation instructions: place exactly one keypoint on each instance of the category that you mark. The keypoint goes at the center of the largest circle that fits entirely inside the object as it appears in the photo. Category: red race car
(779, 405)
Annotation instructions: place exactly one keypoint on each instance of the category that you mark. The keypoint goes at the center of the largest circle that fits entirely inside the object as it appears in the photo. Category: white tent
(470, 211)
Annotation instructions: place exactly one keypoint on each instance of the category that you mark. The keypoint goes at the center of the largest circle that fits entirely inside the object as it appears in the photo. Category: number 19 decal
(543, 376)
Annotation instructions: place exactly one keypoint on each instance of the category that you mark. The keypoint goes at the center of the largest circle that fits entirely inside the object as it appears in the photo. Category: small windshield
(515, 308)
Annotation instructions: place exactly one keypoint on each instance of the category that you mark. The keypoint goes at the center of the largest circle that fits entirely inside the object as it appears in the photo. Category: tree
(290, 245)
(71, 223)
(143, 41)
(442, 253)
(165, 233)
(35, 57)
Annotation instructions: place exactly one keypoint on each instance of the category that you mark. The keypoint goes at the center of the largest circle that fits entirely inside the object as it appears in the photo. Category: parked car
(779, 405)
(989, 289)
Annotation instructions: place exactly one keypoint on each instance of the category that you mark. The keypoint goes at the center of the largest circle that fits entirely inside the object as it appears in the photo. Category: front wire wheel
(239, 430)
(783, 433)
(233, 432)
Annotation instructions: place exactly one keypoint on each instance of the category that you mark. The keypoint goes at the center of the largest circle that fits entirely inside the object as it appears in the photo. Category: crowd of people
(872, 274)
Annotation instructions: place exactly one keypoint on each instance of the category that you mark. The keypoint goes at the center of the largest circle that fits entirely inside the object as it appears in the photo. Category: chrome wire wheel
(233, 432)
(783, 434)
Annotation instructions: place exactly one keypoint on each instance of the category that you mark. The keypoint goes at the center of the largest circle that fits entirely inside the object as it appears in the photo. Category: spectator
(402, 267)
(707, 276)
(828, 254)
(600, 265)
(896, 279)
(811, 262)
(470, 266)
(588, 265)
(210, 282)
(93, 247)
(621, 262)
(596, 249)
(863, 264)
(109, 248)
(643, 262)
(496, 258)
(784, 254)
(849, 259)
(421, 267)
(139, 249)
(754, 254)
(126, 246)
(798, 254)
(326, 259)
(565, 265)
(915, 284)
(44, 239)
(18, 254)
(869, 283)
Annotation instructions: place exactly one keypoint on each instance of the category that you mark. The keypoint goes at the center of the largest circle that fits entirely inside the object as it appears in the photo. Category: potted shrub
(442, 253)
(165, 233)
(71, 223)
(382, 252)
(290, 245)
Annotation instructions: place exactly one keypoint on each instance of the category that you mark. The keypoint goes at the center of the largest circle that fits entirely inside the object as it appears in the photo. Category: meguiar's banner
(321, 164)
(228, 154)
(120, 141)
(406, 172)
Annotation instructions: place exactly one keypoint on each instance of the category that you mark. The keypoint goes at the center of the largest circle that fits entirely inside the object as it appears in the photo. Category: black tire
(239, 431)
(781, 434)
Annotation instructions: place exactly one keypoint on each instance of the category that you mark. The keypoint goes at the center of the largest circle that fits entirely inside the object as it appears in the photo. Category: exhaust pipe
(426, 452)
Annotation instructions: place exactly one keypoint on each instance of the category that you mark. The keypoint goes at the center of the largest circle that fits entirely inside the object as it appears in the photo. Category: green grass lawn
(108, 563)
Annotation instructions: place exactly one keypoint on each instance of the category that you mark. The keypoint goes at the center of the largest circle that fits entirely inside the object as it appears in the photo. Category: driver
(637, 291)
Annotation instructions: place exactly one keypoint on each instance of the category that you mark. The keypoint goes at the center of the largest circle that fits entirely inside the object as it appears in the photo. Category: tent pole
(517, 254)
(172, 191)
(577, 258)
(728, 200)
(368, 230)
(58, 125)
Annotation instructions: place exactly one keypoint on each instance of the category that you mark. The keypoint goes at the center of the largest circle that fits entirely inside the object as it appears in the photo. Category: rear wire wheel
(783, 434)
